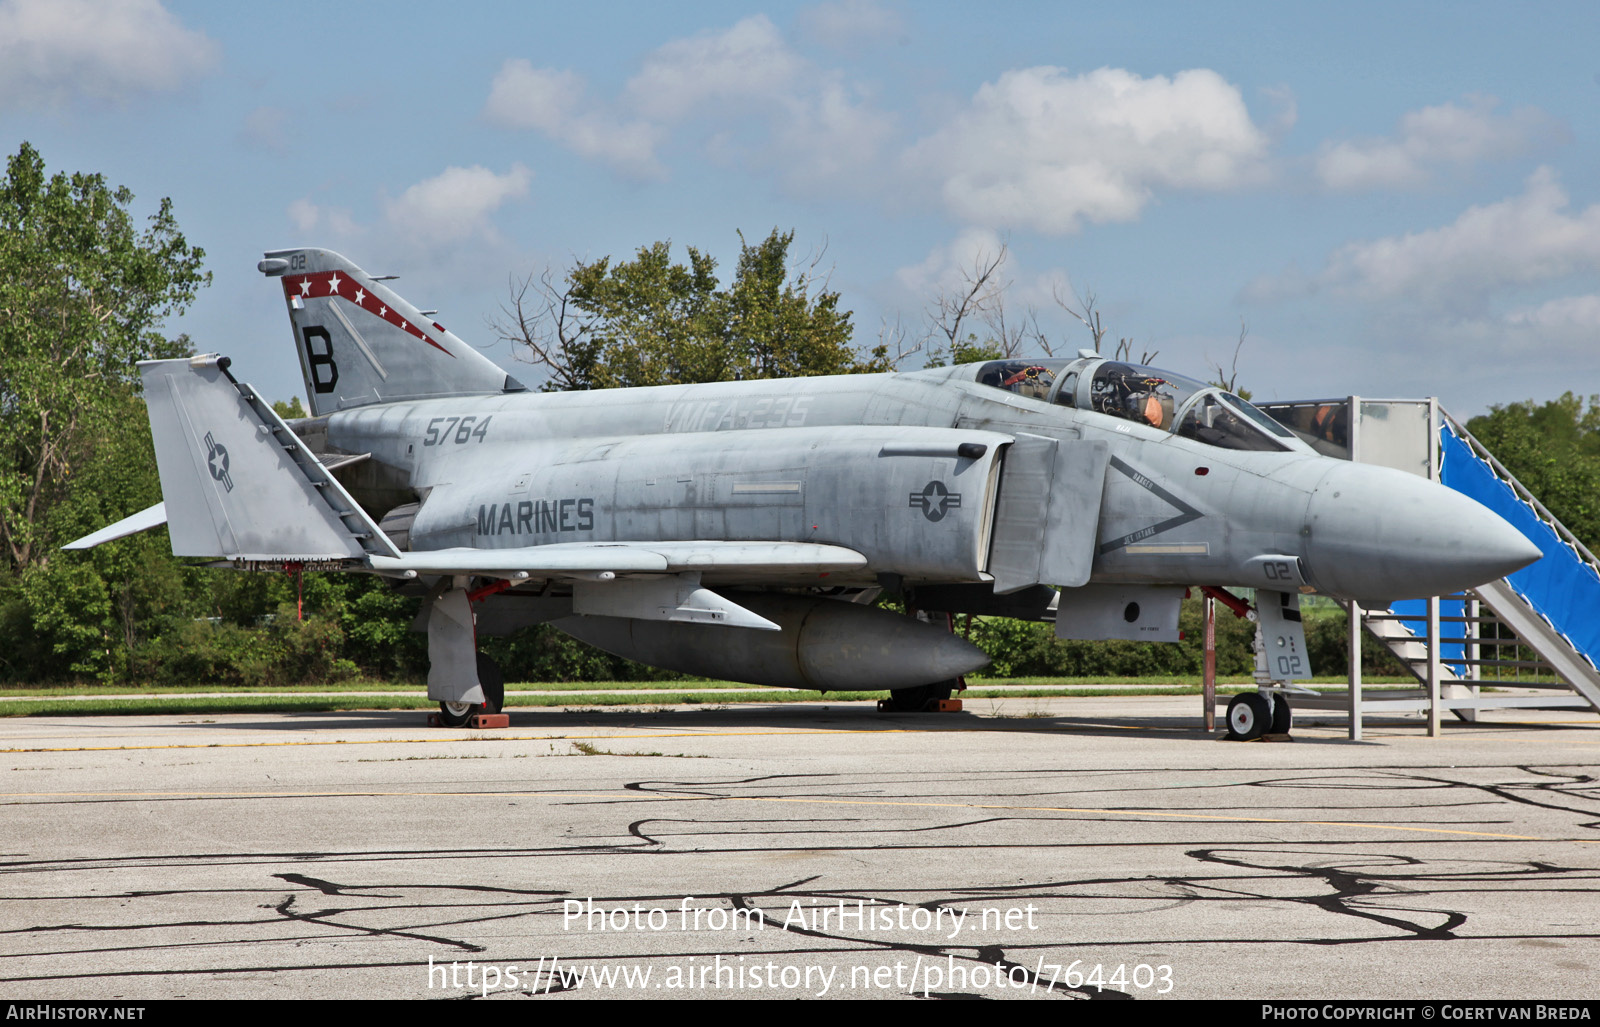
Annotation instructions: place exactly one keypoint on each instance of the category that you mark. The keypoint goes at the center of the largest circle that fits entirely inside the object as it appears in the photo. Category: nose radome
(1377, 533)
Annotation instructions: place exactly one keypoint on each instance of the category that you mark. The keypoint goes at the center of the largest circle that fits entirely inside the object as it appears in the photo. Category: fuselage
(872, 462)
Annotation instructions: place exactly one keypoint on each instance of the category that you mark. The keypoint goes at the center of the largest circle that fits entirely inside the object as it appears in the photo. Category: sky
(1391, 200)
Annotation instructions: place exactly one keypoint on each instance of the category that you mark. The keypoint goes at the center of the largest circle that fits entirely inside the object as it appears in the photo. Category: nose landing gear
(1252, 715)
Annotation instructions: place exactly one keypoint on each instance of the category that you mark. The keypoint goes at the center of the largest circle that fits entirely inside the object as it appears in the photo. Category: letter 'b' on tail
(360, 343)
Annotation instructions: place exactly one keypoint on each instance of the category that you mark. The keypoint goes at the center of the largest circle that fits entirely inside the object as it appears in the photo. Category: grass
(53, 704)
(680, 684)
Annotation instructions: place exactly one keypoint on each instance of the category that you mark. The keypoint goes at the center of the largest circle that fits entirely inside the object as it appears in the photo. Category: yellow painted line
(451, 738)
(666, 797)
(929, 729)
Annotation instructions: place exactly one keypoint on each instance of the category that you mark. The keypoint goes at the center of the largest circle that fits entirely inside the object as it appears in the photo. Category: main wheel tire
(914, 700)
(1282, 716)
(494, 684)
(1248, 717)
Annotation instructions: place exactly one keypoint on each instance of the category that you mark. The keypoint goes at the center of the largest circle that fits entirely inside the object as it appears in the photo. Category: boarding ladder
(1530, 640)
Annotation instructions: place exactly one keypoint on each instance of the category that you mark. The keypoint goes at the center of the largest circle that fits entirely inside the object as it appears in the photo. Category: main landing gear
(456, 714)
(915, 700)
(1253, 714)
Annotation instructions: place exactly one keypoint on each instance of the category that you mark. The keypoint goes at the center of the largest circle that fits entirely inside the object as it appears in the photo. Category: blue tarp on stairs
(1562, 587)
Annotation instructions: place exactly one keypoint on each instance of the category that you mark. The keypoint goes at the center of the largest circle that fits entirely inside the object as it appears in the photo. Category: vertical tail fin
(236, 482)
(359, 342)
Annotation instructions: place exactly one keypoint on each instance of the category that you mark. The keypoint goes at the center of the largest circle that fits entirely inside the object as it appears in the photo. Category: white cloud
(848, 24)
(554, 103)
(1426, 139)
(745, 64)
(1569, 313)
(455, 204)
(444, 225)
(523, 96)
(1045, 150)
(1012, 292)
(305, 214)
(1521, 240)
(946, 267)
(1284, 107)
(333, 222)
(767, 107)
(827, 138)
(54, 51)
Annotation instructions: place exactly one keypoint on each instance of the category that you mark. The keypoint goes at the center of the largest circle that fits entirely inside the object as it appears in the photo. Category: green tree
(966, 351)
(82, 297)
(290, 411)
(651, 321)
(1554, 449)
(83, 294)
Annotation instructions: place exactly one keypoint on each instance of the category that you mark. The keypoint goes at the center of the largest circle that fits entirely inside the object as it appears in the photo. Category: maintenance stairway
(1531, 639)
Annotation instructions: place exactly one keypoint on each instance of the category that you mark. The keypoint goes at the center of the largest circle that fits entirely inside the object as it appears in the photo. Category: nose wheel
(1250, 716)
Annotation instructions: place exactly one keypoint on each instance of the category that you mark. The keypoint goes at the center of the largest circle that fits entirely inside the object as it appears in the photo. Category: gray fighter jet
(741, 529)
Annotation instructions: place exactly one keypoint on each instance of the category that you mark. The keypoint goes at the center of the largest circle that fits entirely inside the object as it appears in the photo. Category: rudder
(359, 342)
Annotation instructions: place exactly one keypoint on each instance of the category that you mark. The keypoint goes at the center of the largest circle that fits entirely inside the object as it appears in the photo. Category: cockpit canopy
(1163, 400)
(1032, 378)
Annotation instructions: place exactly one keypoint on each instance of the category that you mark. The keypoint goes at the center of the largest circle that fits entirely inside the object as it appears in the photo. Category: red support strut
(1239, 607)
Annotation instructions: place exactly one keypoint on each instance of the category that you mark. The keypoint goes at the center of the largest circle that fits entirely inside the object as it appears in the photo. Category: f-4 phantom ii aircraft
(739, 529)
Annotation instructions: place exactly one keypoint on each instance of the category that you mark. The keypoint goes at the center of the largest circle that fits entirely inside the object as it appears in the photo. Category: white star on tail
(305, 287)
(360, 295)
(333, 284)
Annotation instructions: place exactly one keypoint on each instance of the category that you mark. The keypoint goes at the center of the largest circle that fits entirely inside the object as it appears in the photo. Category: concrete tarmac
(1025, 848)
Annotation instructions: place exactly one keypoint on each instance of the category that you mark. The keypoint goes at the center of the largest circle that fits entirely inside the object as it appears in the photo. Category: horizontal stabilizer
(587, 558)
(144, 520)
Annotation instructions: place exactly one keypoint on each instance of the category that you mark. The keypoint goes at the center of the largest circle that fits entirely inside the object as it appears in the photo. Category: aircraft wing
(594, 558)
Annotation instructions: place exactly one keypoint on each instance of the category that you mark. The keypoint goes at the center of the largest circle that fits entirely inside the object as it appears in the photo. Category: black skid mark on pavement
(690, 787)
(743, 902)
(948, 996)
(637, 828)
(984, 955)
(1559, 785)
(1349, 888)
(995, 955)
(321, 917)
(328, 887)
(795, 884)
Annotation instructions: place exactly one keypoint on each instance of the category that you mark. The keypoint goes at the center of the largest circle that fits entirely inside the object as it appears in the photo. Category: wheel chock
(931, 706)
(1227, 736)
(477, 720)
